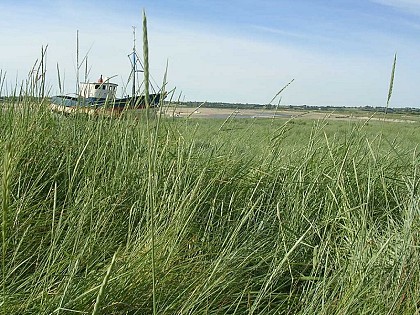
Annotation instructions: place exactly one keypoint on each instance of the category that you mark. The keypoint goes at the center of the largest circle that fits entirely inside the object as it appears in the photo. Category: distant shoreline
(329, 108)
(224, 113)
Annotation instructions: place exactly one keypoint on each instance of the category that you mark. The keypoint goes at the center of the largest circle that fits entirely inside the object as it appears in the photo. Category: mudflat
(223, 113)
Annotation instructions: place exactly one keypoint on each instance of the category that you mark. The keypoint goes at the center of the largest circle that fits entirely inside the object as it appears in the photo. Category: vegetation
(240, 216)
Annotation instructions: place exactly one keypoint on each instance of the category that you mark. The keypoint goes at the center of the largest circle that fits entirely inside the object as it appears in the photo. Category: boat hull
(92, 106)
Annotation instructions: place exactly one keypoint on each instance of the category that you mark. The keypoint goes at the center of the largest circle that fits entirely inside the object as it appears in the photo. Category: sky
(339, 53)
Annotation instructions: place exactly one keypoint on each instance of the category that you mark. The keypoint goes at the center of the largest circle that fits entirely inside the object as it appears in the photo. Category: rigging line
(141, 64)
(151, 76)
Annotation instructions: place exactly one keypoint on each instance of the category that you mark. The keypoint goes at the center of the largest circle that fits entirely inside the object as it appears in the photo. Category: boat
(100, 97)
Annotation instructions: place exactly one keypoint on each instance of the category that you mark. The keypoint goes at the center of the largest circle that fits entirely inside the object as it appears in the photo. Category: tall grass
(391, 83)
(259, 217)
(146, 62)
(5, 214)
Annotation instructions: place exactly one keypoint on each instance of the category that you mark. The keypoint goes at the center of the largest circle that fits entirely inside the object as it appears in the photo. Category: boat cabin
(102, 89)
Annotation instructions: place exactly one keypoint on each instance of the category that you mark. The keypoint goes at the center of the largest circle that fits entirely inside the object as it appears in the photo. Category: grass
(256, 217)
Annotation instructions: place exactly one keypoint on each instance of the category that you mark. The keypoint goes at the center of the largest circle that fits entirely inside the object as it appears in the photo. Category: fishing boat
(100, 97)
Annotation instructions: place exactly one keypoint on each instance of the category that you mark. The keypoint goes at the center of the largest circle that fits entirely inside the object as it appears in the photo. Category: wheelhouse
(101, 89)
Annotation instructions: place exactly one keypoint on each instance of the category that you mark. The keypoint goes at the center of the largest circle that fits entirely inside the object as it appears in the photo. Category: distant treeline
(195, 104)
(405, 110)
(221, 105)
(20, 98)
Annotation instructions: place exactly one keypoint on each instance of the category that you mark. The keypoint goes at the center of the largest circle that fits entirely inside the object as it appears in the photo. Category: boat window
(103, 87)
(96, 86)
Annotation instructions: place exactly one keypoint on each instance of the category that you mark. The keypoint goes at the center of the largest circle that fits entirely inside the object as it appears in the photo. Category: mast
(77, 63)
(134, 62)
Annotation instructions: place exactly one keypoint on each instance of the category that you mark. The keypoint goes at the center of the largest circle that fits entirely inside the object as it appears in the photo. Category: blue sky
(339, 52)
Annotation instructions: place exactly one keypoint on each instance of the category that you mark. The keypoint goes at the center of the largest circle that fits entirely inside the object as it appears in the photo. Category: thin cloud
(289, 34)
(407, 6)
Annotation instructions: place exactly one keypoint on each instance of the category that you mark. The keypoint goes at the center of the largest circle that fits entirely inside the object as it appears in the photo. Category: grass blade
(391, 83)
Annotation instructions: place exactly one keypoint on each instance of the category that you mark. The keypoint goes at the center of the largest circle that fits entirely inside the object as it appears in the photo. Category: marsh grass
(258, 217)
(391, 82)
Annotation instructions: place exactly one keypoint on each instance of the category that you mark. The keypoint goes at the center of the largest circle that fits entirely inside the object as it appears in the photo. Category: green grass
(256, 217)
